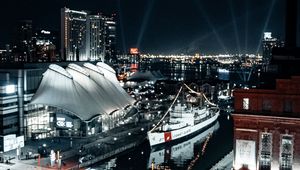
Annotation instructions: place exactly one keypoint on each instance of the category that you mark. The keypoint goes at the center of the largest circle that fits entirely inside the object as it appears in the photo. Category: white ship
(182, 151)
(183, 121)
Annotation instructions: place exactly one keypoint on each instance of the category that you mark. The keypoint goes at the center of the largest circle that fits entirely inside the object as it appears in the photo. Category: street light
(59, 160)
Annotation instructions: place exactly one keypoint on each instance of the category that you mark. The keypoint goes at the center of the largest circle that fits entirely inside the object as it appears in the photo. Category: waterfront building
(17, 86)
(45, 46)
(110, 37)
(269, 43)
(95, 38)
(87, 37)
(22, 42)
(267, 126)
(73, 35)
(39, 101)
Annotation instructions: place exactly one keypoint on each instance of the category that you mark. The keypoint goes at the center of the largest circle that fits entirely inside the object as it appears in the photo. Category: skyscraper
(45, 45)
(22, 47)
(95, 37)
(110, 38)
(269, 43)
(73, 35)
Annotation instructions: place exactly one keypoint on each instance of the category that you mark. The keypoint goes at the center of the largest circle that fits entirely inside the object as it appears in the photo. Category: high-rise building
(269, 43)
(5, 55)
(87, 37)
(23, 31)
(95, 38)
(73, 35)
(45, 45)
(110, 38)
(22, 45)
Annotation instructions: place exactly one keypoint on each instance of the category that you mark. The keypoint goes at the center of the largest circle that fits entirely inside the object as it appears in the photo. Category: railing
(110, 154)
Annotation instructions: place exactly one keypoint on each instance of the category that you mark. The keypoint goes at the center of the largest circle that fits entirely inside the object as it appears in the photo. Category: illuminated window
(265, 157)
(10, 89)
(246, 103)
(286, 152)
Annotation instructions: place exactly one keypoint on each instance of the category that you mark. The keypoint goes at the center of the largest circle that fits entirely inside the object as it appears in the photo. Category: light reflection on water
(188, 153)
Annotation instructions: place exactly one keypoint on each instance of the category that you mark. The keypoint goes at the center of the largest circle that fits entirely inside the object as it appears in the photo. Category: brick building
(267, 127)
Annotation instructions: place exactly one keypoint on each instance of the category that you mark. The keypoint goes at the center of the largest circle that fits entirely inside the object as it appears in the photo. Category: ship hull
(158, 138)
(174, 149)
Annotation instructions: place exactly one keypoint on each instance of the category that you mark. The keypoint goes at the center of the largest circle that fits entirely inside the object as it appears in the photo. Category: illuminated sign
(134, 51)
(9, 142)
(20, 141)
(267, 35)
(45, 32)
(61, 122)
(245, 154)
(221, 70)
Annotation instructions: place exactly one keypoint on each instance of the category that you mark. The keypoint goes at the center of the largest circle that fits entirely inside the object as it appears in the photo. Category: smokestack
(291, 24)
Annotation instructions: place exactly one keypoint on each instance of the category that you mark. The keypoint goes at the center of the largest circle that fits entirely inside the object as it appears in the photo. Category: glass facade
(74, 34)
(95, 38)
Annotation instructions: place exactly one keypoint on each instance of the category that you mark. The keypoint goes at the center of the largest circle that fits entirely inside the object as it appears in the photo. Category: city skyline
(196, 85)
(168, 27)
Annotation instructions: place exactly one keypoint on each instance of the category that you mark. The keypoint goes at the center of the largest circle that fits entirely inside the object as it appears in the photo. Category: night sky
(164, 26)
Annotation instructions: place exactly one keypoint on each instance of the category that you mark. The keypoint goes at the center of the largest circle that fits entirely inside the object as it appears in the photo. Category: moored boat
(183, 120)
(181, 151)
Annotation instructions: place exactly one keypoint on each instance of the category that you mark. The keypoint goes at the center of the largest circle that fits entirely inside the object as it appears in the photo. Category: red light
(134, 51)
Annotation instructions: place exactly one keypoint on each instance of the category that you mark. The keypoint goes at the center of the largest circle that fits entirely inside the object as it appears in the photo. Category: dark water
(209, 71)
(200, 152)
(178, 70)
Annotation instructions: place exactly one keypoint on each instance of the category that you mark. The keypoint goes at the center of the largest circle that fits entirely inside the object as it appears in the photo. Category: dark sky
(164, 26)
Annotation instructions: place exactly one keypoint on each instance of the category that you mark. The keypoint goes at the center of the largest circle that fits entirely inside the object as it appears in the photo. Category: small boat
(182, 121)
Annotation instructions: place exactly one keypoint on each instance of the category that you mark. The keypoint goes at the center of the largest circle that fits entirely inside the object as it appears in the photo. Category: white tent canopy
(110, 74)
(87, 91)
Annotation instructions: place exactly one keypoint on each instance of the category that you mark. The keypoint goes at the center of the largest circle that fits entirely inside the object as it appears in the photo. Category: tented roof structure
(87, 91)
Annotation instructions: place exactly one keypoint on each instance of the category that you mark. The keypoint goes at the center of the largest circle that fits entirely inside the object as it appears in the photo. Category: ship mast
(202, 94)
(175, 99)
(161, 120)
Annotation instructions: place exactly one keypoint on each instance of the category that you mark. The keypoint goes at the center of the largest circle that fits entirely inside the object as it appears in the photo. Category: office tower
(45, 45)
(5, 55)
(73, 35)
(111, 38)
(23, 31)
(22, 45)
(269, 43)
(95, 38)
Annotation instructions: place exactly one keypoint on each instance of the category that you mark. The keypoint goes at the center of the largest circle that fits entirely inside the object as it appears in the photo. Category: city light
(10, 89)
(150, 85)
